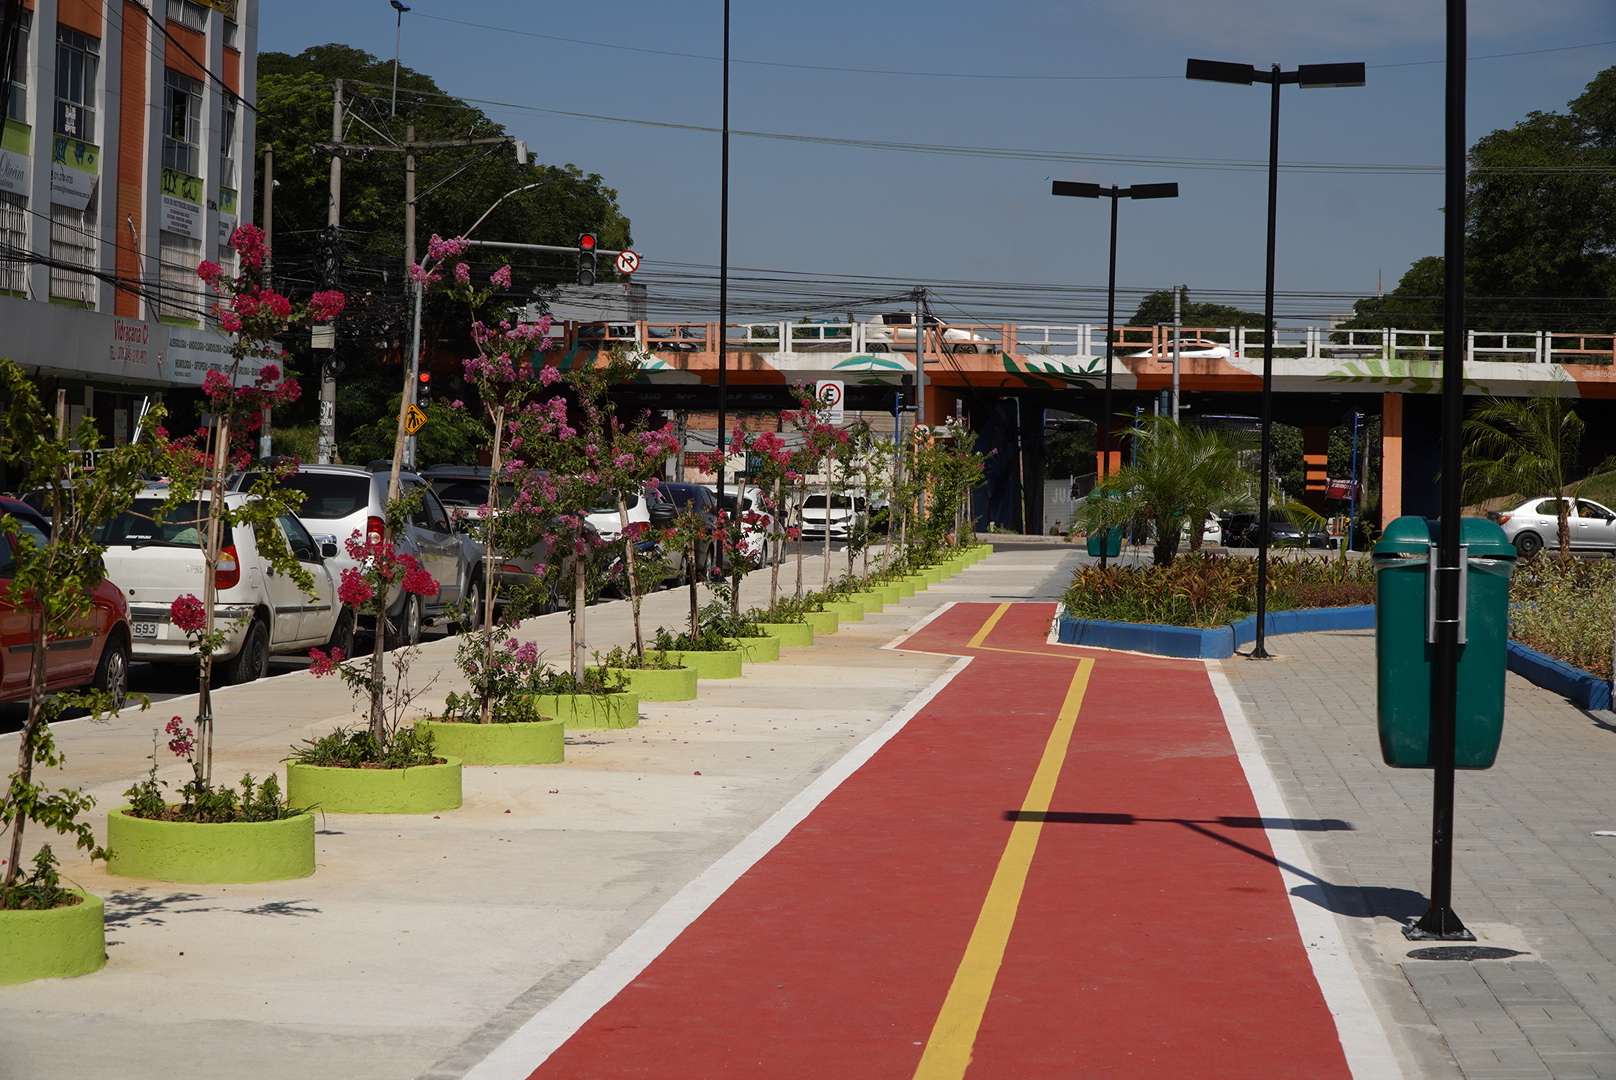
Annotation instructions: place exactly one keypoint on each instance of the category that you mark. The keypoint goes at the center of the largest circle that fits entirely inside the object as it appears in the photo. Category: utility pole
(328, 376)
(1178, 325)
(265, 438)
(920, 356)
(416, 287)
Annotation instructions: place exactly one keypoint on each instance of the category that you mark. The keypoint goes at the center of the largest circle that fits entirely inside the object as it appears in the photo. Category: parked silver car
(342, 500)
(1535, 524)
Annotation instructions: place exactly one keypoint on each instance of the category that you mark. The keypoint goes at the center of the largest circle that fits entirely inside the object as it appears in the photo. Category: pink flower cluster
(187, 613)
(501, 277)
(210, 272)
(248, 240)
(322, 663)
(438, 248)
(381, 564)
(184, 739)
(327, 305)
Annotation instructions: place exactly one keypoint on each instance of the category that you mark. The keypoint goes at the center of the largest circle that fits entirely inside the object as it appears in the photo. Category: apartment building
(125, 160)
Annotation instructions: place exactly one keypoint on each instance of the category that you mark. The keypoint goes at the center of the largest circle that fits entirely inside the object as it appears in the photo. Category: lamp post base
(1437, 924)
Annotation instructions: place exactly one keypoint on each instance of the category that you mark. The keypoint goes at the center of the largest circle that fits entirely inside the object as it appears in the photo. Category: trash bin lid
(1405, 537)
(1408, 537)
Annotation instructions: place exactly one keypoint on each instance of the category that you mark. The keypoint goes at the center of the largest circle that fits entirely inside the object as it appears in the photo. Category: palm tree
(1180, 475)
(1519, 446)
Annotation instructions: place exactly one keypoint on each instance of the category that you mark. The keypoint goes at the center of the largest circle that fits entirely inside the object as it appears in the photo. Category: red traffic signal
(426, 377)
(586, 241)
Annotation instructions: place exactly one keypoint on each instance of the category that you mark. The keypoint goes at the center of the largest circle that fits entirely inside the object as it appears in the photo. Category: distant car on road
(1240, 530)
(1188, 349)
(1535, 524)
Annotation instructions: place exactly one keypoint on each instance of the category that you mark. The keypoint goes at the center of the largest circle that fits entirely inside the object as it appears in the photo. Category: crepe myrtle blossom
(439, 248)
(322, 663)
(183, 740)
(501, 277)
(248, 240)
(186, 613)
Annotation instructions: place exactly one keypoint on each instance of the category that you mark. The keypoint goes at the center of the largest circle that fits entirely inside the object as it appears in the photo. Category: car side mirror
(328, 549)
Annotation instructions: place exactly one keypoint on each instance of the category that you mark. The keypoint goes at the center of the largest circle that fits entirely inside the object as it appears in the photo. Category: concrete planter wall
(417, 790)
(620, 710)
(1213, 644)
(823, 622)
(53, 944)
(756, 650)
(918, 581)
(211, 853)
(715, 664)
(789, 633)
(846, 610)
(872, 602)
(888, 593)
(904, 588)
(932, 574)
(661, 684)
(1584, 689)
(534, 742)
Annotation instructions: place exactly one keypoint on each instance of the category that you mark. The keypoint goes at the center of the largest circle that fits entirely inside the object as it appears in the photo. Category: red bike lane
(936, 916)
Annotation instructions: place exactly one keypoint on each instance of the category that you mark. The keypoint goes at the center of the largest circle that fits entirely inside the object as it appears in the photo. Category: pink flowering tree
(630, 457)
(818, 440)
(748, 537)
(200, 464)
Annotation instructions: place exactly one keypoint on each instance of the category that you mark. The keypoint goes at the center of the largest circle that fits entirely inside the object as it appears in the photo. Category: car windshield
(137, 527)
(608, 505)
(837, 502)
(682, 495)
(326, 496)
(470, 491)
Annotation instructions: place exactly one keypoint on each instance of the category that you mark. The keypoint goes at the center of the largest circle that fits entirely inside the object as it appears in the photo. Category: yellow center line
(987, 627)
(948, 1051)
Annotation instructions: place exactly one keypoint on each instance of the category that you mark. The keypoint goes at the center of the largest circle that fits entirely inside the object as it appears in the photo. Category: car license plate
(145, 629)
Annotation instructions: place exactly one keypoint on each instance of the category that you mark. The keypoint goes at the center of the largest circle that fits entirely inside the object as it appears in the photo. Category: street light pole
(1115, 194)
(398, 36)
(1307, 76)
(723, 277)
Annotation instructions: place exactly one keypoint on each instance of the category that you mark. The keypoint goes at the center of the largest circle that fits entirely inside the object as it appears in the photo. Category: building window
(188, 13)
(17, 104)
(73, 245)
(179, 294)
(78, 63)
(182, 123)
(227, 145)
(13, 242)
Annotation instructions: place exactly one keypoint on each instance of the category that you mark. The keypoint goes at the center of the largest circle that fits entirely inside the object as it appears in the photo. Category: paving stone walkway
(1529, 875)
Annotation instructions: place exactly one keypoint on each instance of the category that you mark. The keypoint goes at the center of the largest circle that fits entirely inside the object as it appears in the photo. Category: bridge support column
(1391, 457)
(1315, 467)
(1032, 466)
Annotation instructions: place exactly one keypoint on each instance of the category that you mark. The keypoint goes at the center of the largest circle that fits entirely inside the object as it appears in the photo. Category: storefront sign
(195, 351)
(14, 171)
(74, 168)
(227, 215)
(182, 204)
(131, 342)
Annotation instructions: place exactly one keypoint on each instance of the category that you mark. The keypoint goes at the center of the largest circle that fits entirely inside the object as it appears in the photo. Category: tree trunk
(802, 497)
(202, 759)
(633, 576)
(1563, 517)
(775, 533)
(580, 646)
(486, 715)
(825, 576)
(695, 607)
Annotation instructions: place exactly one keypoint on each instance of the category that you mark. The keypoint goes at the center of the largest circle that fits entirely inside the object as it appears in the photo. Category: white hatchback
(266, 612)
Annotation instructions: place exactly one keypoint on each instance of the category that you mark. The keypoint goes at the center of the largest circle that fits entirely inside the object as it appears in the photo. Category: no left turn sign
(627, 262)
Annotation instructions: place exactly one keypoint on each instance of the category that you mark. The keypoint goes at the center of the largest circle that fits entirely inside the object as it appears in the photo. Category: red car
(98, 657)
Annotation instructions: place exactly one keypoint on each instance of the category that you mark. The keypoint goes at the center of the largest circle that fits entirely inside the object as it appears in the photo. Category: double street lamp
(1307, 76)
(1116, 195)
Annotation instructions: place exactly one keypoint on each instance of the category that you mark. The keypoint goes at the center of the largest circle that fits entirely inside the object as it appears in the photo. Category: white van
(266, 613)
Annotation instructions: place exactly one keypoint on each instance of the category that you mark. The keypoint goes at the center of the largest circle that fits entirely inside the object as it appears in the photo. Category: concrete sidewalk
(422, 940)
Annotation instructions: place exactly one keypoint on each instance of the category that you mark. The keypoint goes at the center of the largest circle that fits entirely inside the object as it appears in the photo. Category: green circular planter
(822, 622)
(932, 574)
(917, 581)
(904, 588)
(711, 664)
(661, 684)
(206, 853)
(420, 789)
(789, 633)
(889, 594)
(619, 710)
(53, 944)
(846, 610)
(757, 650)
(872, 602)
(532, 742)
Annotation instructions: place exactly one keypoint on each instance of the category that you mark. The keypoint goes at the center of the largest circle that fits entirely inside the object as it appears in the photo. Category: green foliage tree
(1540, 249)
(1180, 475)
(1523, 446)
(52, 585)
(1157, 308)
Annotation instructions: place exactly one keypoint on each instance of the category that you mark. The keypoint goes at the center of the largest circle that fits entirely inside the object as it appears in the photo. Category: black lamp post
(1307, 76)
(1115, 194)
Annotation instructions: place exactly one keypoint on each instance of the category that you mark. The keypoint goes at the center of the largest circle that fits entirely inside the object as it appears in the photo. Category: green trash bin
(1110, 540)
(1404, 658)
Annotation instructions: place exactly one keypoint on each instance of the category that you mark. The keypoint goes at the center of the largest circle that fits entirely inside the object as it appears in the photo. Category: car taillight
(1503, 519)
(375, 531)
(227, 571)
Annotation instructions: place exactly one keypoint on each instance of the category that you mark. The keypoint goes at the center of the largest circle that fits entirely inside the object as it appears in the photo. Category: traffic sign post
(626, 262)
(831, 394)
(414, 419)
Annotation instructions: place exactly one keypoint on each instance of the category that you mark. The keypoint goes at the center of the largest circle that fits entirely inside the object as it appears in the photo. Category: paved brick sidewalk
(1528, 873)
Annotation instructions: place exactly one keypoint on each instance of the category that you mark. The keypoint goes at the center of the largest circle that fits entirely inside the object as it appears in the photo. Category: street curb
(1217, 643)
(1585, 689)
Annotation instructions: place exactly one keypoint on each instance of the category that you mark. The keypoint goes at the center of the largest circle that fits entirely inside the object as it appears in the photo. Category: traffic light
(907, 388)
(586, 258)
(423, 390)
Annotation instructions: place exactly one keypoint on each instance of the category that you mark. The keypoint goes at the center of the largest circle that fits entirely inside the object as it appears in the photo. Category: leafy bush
(359, 748)
(1562, 607)
(621, 658)
(201, 800)
(710, 639)
(1204, 590)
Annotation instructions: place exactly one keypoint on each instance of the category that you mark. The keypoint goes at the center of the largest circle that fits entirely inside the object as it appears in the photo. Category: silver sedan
(1535, 524)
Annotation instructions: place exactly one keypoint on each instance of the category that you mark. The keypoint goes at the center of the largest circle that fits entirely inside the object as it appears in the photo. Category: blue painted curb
(1213, 644)
(1583, 688)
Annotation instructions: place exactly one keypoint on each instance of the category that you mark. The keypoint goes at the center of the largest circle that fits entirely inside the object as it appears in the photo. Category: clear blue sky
(839, 210)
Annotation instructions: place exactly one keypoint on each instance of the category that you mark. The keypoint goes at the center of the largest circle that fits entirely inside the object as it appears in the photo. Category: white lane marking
(924, 621)
(531, 1044)
(1363, 1038)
